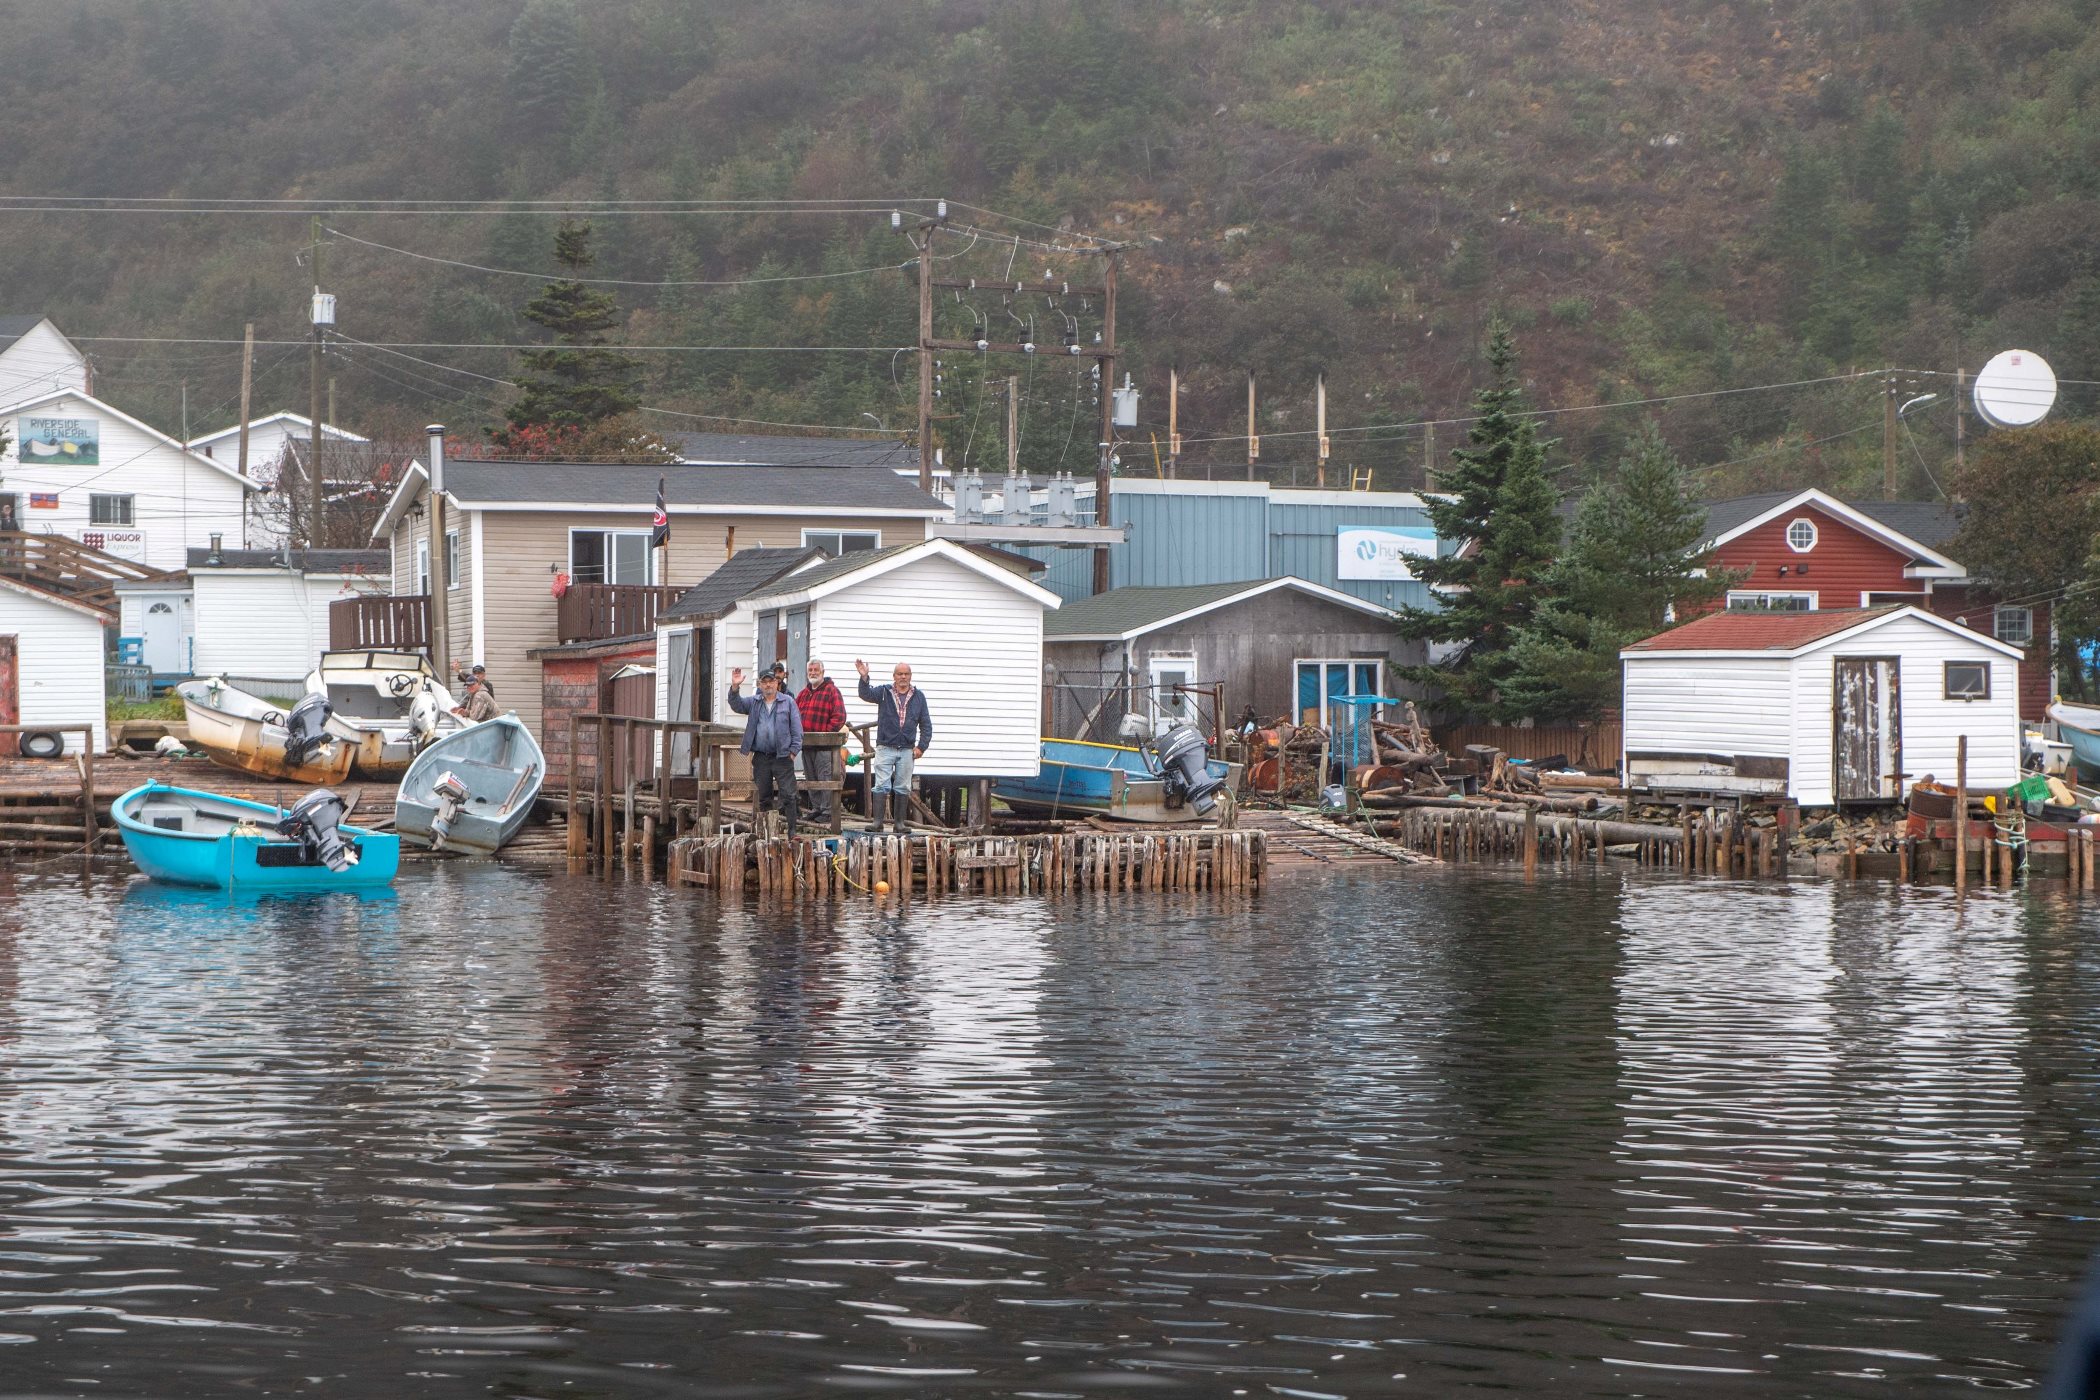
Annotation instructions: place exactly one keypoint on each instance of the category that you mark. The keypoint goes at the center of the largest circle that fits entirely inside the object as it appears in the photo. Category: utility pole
(247, 387)
(1105, 368)
(1013, 426)
(1173, 423)
(1961, 420)
(923, 241)
(440, 624)
(1429, 456)
(1888, 437)
(1320, 424)
(313, 393)
(1253, 441)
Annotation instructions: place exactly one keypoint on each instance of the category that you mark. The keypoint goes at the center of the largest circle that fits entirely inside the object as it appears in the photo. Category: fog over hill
(1663, 200)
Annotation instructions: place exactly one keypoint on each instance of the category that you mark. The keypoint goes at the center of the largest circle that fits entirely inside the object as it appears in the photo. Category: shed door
(797, 652)
(10, 696)
(1867, 755)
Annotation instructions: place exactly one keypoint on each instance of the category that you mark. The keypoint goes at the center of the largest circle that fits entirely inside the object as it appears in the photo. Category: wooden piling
(1961, 815)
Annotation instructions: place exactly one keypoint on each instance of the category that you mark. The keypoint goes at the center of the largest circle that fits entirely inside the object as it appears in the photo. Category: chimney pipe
(213, 557)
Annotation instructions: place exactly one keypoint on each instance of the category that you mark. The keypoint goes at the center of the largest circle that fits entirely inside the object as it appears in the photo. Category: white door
(160, 636)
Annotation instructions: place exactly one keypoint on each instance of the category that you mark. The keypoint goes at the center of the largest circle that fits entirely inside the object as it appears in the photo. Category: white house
(36, 360)
(75, 466)
(269, 440)
(51, 661)
(1832, 707)
(261, 618)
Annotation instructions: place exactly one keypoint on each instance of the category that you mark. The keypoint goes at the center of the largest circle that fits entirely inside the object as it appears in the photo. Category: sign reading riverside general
(73, 442)
(1381, 551)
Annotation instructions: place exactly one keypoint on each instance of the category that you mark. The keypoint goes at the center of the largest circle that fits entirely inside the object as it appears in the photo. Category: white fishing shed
(970, 628)
(1844, 706)
(52, 662)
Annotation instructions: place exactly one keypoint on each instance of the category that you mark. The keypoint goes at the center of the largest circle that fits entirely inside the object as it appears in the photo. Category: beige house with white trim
(519, 528)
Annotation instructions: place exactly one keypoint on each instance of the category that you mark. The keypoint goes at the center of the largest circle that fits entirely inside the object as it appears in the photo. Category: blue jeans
(892, 771)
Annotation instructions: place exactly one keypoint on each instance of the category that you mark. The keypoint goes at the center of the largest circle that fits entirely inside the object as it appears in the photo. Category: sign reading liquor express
(71, 442)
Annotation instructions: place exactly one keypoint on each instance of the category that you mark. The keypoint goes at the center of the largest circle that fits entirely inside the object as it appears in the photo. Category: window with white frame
(2013, 625)
(452, 559)
(422, 566)
(837, 542)
(109, 510)
(1801, 535)
(1321, 683)
(610, 556)
(1759, 600)
(1172, 675)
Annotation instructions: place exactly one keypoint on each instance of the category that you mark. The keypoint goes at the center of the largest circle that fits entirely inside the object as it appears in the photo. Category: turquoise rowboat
(1079, 779)
(183, 837)
(2080, 727)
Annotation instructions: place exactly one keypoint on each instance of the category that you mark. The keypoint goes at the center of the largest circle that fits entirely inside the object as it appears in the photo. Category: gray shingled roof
(778, 450)
(1930, 523)
(740, 574)
(611, 483)
(1130, 609)
(314, 561)
(13, 328)
(830, 569)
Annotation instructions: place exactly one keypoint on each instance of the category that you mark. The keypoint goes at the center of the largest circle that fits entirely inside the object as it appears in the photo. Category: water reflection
(1449, 1133)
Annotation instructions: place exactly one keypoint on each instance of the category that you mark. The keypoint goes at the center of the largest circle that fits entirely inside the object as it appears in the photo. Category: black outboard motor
(1184, 769)
(314, 823)
(306, 729)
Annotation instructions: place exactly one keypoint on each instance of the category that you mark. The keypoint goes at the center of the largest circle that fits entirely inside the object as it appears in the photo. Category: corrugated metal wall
(1302, 544)
(1181, 539)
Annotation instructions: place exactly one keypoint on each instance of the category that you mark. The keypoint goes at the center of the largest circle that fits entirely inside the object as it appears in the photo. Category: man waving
(903, 731)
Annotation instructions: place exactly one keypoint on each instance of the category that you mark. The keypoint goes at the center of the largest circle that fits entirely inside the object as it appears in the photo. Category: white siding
(1930, 722)
(39, 363)
(267, 625)
(177, 500)
(1701, 704)
(974, 645)
(59, 657)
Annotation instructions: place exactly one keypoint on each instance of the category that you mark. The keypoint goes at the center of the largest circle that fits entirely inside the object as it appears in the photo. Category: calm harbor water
(516, 1134)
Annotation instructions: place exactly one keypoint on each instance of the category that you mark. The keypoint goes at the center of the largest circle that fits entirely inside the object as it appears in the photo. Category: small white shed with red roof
(1844, 706)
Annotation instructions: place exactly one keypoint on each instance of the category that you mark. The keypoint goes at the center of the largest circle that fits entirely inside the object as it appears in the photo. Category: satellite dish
(2015, 390)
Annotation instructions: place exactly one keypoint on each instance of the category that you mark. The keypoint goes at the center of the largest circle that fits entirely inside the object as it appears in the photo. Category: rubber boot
(903, 806)
(876, 802)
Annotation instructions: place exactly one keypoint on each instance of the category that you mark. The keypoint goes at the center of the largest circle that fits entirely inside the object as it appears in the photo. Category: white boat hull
(245, 732)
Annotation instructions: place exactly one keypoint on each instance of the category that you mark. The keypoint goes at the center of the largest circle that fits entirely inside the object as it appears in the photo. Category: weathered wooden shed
(1843, 706)
(1285, 646)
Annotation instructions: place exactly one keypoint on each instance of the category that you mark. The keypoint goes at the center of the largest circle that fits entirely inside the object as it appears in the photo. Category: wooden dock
(826, 868)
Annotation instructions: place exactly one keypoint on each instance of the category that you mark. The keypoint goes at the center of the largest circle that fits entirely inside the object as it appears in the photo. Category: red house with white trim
(1807, 551)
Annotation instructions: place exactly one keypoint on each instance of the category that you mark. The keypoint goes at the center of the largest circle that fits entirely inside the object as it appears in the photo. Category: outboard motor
(306, 731)
(1184, 768)
(314, 822)
(422, 717)
(451, 795)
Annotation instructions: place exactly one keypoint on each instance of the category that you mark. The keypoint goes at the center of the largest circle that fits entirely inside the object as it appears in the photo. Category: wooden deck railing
(382, 623)
(60, 565)
(596, 612)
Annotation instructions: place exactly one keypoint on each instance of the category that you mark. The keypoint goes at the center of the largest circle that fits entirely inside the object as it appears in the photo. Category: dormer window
(1801, 535)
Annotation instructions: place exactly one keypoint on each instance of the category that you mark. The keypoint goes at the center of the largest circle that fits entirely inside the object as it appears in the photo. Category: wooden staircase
(71, 569)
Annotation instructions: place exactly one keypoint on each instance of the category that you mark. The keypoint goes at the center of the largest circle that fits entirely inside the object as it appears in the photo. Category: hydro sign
(1372, 552)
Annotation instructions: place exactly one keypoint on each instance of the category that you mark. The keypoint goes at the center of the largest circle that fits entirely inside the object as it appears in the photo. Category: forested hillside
(1662, 201)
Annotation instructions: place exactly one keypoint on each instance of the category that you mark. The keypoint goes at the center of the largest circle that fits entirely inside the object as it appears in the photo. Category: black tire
(43, 743)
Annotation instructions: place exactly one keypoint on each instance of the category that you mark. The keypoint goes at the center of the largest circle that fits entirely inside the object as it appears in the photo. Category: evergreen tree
(575, 384)
(1499, 504)
(550, 70)
(1631, 560)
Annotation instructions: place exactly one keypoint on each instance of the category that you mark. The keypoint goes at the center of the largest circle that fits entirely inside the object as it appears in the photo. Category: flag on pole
(660, 535)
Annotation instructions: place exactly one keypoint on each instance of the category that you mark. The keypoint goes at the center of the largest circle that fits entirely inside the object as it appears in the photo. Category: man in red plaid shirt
(823, 712)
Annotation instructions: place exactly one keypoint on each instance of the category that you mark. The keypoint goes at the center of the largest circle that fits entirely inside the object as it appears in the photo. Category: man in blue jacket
(772, 737)
(903, 731)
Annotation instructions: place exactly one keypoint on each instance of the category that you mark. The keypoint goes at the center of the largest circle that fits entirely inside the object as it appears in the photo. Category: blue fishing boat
(2080, 727)
(183, 837)
(1081, 779)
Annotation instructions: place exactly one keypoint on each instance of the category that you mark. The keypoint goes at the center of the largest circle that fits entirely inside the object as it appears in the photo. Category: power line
(622, 281)
(769, 423)
(495, 345)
